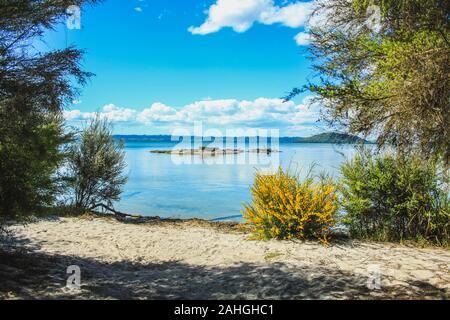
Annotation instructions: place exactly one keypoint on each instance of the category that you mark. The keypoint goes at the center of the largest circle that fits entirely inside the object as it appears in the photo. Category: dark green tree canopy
(35, 80)
(387, 75)
(34, 88)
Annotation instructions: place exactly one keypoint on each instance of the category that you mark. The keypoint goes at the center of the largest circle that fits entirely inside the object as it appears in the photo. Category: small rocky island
(205, 151)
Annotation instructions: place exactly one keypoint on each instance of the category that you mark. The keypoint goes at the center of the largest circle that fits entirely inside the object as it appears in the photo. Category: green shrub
(393, 198)
(95, 168)
(284, 207)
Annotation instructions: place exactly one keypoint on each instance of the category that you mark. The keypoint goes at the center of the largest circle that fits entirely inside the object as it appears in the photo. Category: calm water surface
(158, 186)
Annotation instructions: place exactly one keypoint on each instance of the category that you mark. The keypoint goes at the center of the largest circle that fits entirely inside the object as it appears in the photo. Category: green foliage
(95, 167)
(284, 207)
(391, 80)
(29, 157)
(392, 198)
(34, 88)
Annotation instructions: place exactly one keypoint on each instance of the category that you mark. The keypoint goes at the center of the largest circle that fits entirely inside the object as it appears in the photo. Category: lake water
(159, 186)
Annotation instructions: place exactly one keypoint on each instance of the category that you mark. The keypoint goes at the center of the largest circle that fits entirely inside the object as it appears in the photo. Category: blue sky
(162, 64)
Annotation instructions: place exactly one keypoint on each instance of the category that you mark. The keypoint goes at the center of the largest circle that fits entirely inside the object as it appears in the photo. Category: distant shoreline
(325, 138)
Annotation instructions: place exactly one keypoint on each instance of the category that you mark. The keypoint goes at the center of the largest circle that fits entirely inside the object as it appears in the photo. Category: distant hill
(332, 137)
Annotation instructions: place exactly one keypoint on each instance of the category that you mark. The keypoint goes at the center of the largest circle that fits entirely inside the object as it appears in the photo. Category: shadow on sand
(35, 275)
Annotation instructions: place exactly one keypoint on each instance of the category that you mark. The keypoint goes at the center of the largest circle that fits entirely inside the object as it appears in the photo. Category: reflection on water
(158, 186)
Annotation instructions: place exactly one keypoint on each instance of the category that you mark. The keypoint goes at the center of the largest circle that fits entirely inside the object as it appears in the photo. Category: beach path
(188, 260)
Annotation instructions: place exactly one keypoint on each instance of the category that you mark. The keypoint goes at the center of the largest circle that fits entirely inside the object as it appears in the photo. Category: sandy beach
(199, 260)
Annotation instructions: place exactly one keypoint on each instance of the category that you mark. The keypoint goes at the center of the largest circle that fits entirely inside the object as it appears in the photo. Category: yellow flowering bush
(284, 207)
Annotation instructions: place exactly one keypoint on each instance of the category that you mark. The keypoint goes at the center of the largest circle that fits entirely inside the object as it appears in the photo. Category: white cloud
(229, 113)
(138, 9)
(293, 15)
(302, 38)
(109, 111)
(74, 115)
(240, 15)
(116, 114)
(158, 112)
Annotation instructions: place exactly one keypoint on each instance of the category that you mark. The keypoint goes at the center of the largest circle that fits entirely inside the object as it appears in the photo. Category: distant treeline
(331, 137)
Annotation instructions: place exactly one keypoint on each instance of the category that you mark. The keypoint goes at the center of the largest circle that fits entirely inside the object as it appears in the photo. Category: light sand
(188, 261)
